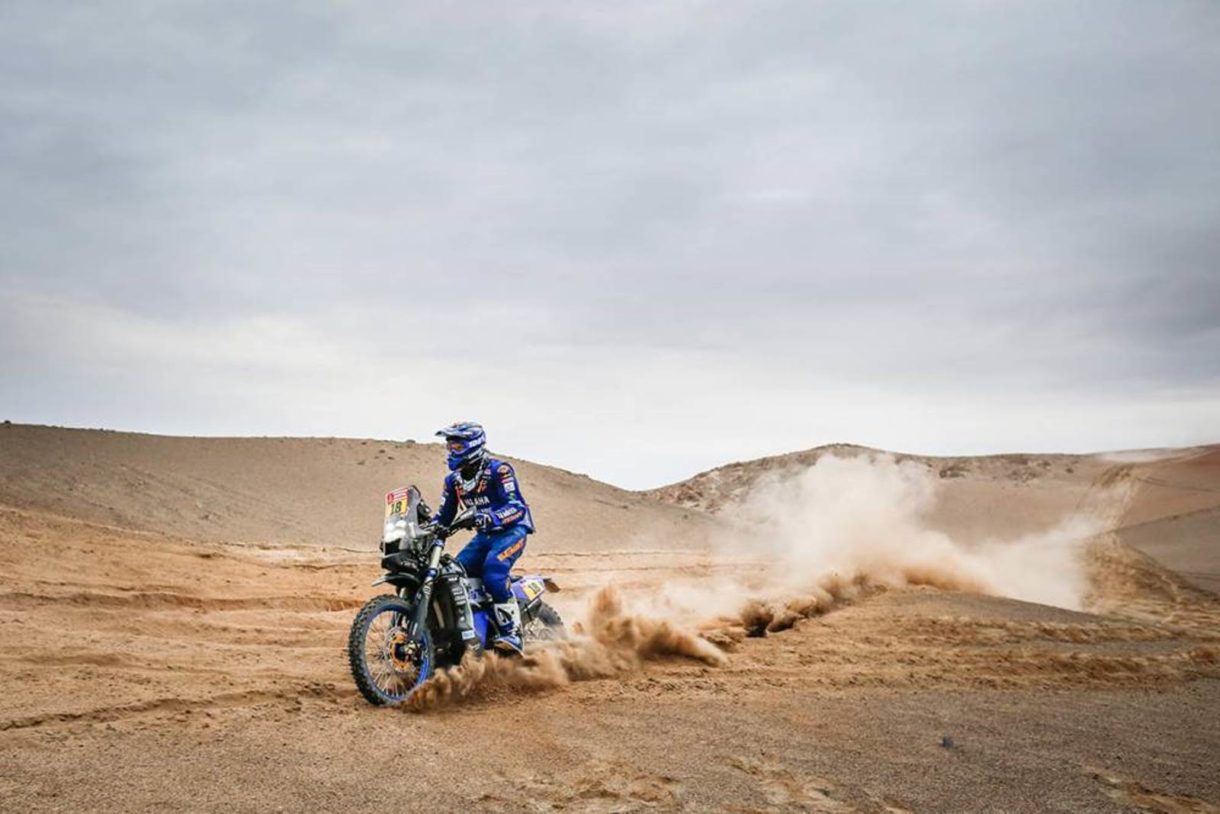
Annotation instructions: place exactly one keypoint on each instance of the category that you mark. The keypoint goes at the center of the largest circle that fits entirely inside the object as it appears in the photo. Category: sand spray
(798, 545)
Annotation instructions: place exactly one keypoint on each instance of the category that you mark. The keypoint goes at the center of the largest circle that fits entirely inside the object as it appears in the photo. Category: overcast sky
(634, 239)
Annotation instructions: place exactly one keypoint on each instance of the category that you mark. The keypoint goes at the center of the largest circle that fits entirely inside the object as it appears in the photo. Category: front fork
(423, 597)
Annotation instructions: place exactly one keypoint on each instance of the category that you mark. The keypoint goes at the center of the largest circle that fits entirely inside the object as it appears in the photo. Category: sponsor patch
(511, 550)
(507, 479)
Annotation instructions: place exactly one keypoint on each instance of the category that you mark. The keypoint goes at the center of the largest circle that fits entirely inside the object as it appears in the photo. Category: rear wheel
(546, 626)
(385, 663)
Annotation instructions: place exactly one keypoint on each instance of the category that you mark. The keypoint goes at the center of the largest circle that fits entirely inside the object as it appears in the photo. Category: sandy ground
(147, 671)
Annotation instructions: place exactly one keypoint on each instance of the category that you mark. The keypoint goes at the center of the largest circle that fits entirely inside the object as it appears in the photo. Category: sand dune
(149, 666)
(1174, 515)
(312, 491)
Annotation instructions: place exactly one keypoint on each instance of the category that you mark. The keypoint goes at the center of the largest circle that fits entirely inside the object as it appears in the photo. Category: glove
(468, 521)
(483, 521)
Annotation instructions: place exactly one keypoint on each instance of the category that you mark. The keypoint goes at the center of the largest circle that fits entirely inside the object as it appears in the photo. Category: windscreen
(401, 515)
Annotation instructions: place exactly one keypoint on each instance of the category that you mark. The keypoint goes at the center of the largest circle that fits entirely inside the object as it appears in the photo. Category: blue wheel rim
(391, 671)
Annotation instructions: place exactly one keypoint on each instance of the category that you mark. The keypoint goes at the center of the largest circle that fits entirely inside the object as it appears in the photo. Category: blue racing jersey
(496, 494)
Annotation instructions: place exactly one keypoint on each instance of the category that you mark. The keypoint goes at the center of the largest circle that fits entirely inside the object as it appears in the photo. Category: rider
(489, 486)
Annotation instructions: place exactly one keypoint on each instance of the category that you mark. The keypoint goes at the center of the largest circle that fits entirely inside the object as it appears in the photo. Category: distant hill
(314, 491)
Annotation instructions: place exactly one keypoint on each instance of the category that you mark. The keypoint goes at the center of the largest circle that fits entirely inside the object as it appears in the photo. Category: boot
(508, 622)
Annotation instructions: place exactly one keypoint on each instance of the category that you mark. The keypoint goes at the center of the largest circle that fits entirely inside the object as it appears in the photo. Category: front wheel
(386, 664)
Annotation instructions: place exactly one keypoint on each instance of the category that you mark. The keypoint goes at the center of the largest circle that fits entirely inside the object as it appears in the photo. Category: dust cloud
(865, 519)
(795, 547)
(799, 544)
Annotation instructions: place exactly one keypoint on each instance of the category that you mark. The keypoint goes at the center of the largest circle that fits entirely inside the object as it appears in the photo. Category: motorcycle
(437, 613)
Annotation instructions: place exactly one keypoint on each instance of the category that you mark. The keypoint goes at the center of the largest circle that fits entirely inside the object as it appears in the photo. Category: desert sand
(173, 613)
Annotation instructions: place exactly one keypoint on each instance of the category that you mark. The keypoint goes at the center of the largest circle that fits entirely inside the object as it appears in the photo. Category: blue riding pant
(490, 555)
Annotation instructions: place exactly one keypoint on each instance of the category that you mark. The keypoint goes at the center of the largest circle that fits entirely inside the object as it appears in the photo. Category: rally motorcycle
(437, 613)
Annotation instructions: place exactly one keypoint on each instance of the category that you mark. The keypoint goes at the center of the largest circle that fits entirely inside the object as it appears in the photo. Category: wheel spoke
(382, 663)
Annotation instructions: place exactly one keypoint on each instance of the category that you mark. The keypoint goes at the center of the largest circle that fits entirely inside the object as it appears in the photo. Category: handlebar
(465, 520)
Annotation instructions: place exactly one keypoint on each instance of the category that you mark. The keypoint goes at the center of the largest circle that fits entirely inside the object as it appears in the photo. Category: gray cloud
(962, 203)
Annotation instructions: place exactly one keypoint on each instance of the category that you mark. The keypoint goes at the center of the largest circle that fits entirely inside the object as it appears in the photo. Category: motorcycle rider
(489, 486)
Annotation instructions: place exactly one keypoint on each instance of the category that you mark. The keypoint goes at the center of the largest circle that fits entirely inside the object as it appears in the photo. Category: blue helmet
(465, 441)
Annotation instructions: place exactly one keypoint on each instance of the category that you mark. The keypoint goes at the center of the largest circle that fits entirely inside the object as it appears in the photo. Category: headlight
(394, 531)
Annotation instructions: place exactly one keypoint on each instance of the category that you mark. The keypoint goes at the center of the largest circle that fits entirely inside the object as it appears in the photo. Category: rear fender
(530, 588)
